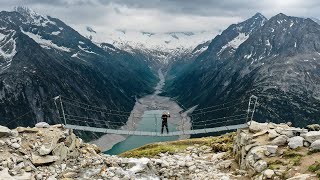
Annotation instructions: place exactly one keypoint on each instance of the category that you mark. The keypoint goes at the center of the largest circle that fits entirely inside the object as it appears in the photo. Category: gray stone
(256, 127)
(306, 144)
(260, 165)
(280, 140)
(15, 145)
(5, 132)
(272, 149)
(312, 136)
(273, 134)
(42, 125)
(268, 173)
(192, 168)
(313, 127)
(61, 151)
(295, 142)
(2, 143)
(42, 160)
(44, 150)
(315, 145)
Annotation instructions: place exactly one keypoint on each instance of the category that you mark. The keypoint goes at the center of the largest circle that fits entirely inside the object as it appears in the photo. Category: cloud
(164, 15)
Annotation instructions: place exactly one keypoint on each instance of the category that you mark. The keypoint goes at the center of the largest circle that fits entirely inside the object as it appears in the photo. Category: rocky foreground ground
(264, 151)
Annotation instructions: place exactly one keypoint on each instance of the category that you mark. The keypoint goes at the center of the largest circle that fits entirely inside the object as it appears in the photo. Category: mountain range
(41, 57)
(276, 59)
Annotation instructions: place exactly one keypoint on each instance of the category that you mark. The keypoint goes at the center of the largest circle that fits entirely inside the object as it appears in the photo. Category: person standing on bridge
(165, 117)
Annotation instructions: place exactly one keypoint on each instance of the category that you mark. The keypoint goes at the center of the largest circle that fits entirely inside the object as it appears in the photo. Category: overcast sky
(163, 15)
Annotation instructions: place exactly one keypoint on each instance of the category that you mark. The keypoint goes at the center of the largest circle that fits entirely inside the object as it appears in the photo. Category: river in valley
(150, 108)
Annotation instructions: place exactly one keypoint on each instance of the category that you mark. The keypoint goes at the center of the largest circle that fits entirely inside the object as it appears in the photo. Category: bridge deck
(146, 133)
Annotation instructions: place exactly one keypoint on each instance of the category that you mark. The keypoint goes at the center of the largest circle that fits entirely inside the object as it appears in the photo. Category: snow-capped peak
(150, 40)
(33, 17)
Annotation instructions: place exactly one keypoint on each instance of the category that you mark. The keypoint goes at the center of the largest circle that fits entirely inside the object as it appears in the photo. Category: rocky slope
(41, 57)
(276, 60)
(263, 151)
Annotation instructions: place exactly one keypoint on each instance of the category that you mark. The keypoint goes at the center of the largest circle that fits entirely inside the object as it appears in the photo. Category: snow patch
(56, 33)
(295, 44)
(80, 42)
(44, 43)
(268, 42)
(236, 42)
(7, 50)
(86, 50)
(291, 24)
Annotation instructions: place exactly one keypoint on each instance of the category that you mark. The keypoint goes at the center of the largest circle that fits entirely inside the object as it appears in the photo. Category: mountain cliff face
(277, 60)
(41, 57)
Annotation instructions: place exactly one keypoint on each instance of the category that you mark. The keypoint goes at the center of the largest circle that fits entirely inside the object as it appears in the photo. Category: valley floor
(149, 102)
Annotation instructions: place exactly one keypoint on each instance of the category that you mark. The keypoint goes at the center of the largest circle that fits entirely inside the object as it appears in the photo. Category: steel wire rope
(108, 113)
(220, 118)
(222, 104)
(216, 109)
(228, 120)
(93, 119)
(94, 106)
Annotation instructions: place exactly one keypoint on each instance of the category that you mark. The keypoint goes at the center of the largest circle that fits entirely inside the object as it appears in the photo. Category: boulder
(295, 142)
(280, 140)
(4, 131)
(272, 149)
(260, 133)
(27, 130)
(315, 145)
(268, 173)
(15, 145)
(312, 136)
(42, 125)
(44, 150)
(61, 151)
(256, 127)
(273, 134)
(260, 165)
(313, 127)
(43, 160)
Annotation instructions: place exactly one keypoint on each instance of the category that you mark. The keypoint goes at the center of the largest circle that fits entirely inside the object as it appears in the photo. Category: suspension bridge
(232, 115)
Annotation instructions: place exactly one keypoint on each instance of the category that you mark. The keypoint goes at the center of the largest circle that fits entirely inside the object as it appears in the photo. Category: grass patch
(218, 144)
(293, 156)
(313, 151)
(275, 164)
(315, 167)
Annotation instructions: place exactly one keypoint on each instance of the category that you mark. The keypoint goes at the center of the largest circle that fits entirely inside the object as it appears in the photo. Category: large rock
(295, 142)
(313, 127)
(43, 160)
(280, 140)
(315, 145)
(256, 127)
(260, 166)
(4, 131)
(268, 173)
(312, 136)
(42, 125)
(272, 134)
(61, 151)
(272, 149)
(44, 150)
(27, 130)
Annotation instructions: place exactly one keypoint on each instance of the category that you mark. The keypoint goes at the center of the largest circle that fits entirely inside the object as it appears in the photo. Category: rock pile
(47, 152)
(44, 152)
(275, 151)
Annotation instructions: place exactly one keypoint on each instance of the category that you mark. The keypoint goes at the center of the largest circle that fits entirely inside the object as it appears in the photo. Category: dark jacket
(165, 118)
